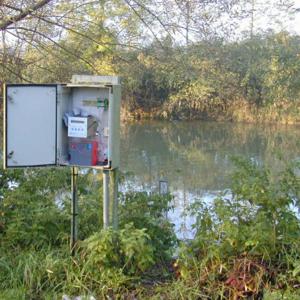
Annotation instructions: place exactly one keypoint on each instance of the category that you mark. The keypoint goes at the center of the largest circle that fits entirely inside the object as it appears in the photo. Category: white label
(77, 127)
(106, 131)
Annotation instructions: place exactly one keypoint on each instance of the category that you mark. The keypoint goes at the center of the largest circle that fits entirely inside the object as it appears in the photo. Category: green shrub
(149, 211)
(248, 239)
(128, 249)
(35, 260)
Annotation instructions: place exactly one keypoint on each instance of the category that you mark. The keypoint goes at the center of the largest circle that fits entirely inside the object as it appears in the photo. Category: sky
(295, 24)
(277, 19)
(268, 14)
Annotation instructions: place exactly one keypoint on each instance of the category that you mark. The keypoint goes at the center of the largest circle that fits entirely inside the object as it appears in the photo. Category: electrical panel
(79, 121)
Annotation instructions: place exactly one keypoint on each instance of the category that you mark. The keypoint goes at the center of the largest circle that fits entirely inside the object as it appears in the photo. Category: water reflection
(195, 157)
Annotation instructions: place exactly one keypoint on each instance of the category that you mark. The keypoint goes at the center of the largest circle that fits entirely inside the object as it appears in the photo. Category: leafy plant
(149, 211)
(248, 239)
(129, 249)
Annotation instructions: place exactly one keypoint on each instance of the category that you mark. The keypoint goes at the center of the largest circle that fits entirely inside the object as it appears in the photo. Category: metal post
(105, 199)
(114, 198)
(74, 210)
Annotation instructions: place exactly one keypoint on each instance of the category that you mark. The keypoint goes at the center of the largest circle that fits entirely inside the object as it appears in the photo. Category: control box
(81, 127)
(73, 124)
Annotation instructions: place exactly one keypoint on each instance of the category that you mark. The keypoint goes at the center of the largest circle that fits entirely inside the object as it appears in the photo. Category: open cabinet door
(29, 125)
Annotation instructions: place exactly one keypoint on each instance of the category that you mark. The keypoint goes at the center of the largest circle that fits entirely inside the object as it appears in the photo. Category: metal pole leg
(105, 199)
(74, 210)
(114, 198)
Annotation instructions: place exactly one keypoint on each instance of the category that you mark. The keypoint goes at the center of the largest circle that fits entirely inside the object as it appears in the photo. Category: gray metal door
(30, 125)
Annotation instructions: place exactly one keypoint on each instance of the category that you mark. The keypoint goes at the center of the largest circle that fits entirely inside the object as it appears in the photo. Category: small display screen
(77, 121)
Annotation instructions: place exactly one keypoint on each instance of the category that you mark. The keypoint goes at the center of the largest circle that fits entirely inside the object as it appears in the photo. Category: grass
(246, 246)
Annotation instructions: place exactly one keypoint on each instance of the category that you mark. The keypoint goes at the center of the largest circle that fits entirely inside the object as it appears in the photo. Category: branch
(16, 74)
(38, 47)
(154, 15)
(56, 44)
(23, 14)
(144, 22)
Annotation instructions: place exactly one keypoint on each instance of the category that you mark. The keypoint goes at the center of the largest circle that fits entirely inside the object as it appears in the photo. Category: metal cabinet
(75, 124)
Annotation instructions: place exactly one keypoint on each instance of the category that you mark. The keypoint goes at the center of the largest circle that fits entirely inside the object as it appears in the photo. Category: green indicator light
(102, 103)
(99, 102)
(105, 104)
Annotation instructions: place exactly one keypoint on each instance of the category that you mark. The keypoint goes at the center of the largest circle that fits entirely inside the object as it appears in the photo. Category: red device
(94, 153)
(83, 152)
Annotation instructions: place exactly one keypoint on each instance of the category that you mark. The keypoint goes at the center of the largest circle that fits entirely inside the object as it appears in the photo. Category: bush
(129, 250)
(149, 211)
(249, 239)
(35, 224)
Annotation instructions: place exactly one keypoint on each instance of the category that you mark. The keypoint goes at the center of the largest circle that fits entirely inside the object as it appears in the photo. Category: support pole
(74, 210)
(105, 199)
(114, 198)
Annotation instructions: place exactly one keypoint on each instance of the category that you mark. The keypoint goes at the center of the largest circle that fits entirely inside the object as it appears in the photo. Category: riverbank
(284, 112)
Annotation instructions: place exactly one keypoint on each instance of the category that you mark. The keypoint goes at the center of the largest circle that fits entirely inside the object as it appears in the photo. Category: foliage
(177, 60)
(246, 241)
(254, 79)
(35, 221)
(261, 72)
(29, 214)
(7, 180)
(246, 245)
(145, 211)
(129, 250)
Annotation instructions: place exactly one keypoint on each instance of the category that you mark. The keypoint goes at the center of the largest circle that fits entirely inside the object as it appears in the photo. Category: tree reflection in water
(195, 157)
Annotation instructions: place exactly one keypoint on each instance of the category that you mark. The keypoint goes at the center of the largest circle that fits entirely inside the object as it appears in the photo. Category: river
(195, 158)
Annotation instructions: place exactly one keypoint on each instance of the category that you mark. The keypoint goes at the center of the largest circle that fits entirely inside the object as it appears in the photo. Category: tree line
(178, 59)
